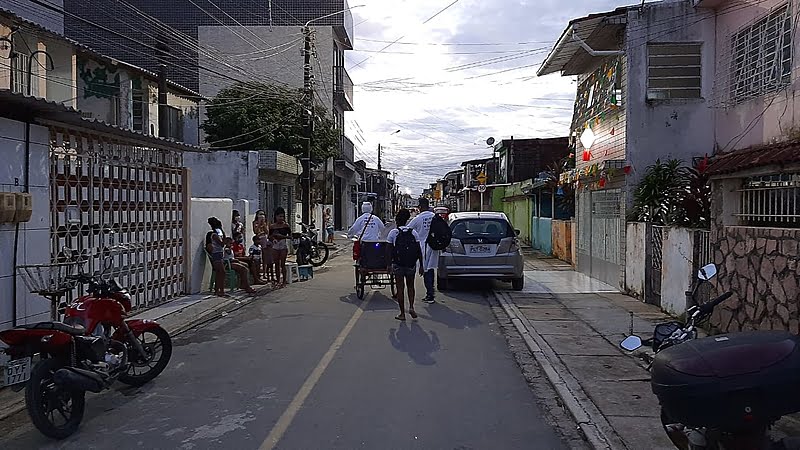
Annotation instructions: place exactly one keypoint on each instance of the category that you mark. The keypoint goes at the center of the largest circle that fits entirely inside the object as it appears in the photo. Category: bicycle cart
(371, 269)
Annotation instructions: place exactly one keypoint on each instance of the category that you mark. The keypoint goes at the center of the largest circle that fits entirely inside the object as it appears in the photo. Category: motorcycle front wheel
(142, 368)
(319, 254)
(54, 411)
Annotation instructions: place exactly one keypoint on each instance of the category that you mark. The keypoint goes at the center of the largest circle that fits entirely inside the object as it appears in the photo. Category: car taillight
(508, 246)
(456, 247)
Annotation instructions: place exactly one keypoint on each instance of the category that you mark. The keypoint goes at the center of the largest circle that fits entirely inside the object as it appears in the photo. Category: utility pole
(379, 157)
(308, 106)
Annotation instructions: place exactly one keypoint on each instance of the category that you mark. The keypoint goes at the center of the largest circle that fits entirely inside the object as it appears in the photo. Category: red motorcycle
(93, 347)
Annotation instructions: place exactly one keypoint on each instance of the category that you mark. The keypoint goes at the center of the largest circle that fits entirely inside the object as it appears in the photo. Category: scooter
(724, 391)
(309, 249)
(93, 347)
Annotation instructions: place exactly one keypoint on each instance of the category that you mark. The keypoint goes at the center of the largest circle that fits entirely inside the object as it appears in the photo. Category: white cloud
(447, 99)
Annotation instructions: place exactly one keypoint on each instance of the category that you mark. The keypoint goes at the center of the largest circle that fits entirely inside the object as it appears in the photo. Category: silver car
(484, 245)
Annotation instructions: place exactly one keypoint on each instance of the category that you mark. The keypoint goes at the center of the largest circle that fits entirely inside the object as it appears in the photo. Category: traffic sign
(481, 188)
(481, 178)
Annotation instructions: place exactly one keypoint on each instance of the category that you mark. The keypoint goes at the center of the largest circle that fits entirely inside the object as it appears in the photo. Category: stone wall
(761, 266)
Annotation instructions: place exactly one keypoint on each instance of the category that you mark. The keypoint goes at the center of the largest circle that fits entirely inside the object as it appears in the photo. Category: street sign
(481, 178)
(481, 188)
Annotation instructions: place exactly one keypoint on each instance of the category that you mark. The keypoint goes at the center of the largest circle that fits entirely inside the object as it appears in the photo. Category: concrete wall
(562, 240)
(97, 83)
(233, 175)
(60, 88)
(635, 263)
(667, 128)
(676, 272)
(280, 65)
(34, 236)
(201, 209)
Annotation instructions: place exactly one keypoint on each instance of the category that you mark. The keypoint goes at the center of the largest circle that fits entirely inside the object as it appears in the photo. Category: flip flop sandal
(413, 314)
(401, 317)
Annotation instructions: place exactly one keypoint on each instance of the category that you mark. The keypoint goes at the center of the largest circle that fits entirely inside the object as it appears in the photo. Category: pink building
(756, 168)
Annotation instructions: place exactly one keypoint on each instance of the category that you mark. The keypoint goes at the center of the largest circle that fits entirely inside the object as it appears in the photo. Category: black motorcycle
(724, 391)
(308, 248)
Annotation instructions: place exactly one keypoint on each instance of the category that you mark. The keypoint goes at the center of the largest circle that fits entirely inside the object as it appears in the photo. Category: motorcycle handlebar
(707, 308)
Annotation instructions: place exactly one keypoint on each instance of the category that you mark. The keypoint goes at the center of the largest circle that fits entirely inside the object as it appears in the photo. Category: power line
(401, 37)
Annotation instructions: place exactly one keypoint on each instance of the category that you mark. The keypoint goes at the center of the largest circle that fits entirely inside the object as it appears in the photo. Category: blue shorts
(403, 272)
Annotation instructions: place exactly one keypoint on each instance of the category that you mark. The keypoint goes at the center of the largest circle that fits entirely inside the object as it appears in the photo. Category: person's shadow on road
(458, 320)
(415, 341)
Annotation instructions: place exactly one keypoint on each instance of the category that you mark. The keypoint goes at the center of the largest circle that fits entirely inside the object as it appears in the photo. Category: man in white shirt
(368, 223)
(405, 257)
(430, 257)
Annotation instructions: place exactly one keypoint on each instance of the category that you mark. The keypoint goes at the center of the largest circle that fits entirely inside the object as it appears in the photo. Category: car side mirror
(516, 232)
(707, 272)
(631, 343)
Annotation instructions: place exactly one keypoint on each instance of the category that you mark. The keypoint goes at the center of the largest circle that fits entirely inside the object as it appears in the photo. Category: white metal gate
(600, 232)
(97, 186)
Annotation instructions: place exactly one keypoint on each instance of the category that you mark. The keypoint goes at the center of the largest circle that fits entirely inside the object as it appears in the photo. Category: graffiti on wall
(98, 81)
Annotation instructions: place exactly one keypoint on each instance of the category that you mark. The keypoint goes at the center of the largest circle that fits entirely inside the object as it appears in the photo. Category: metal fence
(772, 200)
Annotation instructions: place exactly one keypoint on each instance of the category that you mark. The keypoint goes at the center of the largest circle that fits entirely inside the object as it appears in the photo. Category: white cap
(366, 207)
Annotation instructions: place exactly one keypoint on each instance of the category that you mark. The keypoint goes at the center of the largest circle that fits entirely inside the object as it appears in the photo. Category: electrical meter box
(24, 208)
(8, 207)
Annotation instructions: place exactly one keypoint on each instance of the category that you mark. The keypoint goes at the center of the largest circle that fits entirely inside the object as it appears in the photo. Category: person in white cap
(368, 226)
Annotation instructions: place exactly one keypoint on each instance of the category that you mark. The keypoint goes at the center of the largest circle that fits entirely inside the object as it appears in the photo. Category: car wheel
(518, 283)
(441, 284)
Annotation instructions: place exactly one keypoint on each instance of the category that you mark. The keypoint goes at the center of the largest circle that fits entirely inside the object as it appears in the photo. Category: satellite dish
(490, 141)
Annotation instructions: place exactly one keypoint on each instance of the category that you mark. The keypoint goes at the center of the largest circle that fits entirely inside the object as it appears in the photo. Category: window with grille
(771, 201)
(138, 112)
(19, 72)
(762, 56)
(673, 71)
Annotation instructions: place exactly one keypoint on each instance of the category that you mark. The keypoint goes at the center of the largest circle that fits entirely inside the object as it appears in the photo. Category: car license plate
(16, 371)
(478, 249)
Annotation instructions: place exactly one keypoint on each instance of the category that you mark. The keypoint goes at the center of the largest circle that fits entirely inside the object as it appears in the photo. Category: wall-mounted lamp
(587, 138)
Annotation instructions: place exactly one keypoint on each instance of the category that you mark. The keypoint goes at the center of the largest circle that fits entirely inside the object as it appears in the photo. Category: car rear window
(481, 228)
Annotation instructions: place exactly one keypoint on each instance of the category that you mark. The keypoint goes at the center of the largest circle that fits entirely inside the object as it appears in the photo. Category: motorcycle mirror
(707, 272)
(631, 343)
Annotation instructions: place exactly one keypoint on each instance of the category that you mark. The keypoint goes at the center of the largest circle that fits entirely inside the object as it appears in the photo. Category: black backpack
(406, 249)
(440, 234)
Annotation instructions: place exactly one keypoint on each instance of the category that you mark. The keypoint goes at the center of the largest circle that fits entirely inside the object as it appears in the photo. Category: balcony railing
(347, 149)
(343, 88)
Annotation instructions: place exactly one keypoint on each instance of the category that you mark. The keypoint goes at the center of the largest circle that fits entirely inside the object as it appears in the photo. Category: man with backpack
(434, 235)
(405, 253)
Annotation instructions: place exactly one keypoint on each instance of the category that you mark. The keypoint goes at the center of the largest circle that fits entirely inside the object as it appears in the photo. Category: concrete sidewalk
(179, 315)
(572, 325)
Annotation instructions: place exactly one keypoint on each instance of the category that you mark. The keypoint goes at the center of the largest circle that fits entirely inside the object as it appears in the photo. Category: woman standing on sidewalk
(279, 232)
(216, 247)
(261, 229)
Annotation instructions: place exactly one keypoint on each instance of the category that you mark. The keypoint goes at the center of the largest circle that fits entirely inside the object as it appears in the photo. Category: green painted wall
(519, 209)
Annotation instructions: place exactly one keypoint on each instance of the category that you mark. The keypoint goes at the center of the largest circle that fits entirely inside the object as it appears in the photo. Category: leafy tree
(258, 116)
(672, 194)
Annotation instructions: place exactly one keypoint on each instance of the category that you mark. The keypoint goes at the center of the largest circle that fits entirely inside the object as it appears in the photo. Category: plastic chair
(292, 273)
(306, 272)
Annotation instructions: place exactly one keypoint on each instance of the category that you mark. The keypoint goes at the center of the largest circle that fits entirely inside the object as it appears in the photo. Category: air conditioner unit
(8, 206)
(24, 208)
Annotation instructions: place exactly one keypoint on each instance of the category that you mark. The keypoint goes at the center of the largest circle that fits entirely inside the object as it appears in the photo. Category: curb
(598, 432)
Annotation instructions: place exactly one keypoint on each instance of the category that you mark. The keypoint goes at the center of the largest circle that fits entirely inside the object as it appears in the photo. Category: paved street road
(312, 367)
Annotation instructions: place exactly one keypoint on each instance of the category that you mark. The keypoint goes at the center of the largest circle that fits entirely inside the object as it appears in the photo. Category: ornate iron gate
(656, 264)
(138, 193)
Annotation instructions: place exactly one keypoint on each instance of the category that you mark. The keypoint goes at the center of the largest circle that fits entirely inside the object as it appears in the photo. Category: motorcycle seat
(57, 326)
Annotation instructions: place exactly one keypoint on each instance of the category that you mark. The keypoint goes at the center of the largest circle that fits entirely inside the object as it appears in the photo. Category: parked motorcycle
(724, 391)
(93, 347)
(308, 248)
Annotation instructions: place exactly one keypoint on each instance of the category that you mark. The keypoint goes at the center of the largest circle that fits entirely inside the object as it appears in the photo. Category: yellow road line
(294, 407)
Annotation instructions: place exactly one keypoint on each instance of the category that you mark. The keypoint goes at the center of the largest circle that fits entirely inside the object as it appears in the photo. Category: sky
(447, 97)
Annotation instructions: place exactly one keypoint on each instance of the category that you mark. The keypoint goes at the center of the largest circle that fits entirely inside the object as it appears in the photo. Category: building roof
(476, 161)
(593, 29)
(781, 154)
(28, 109)
(82, 48)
